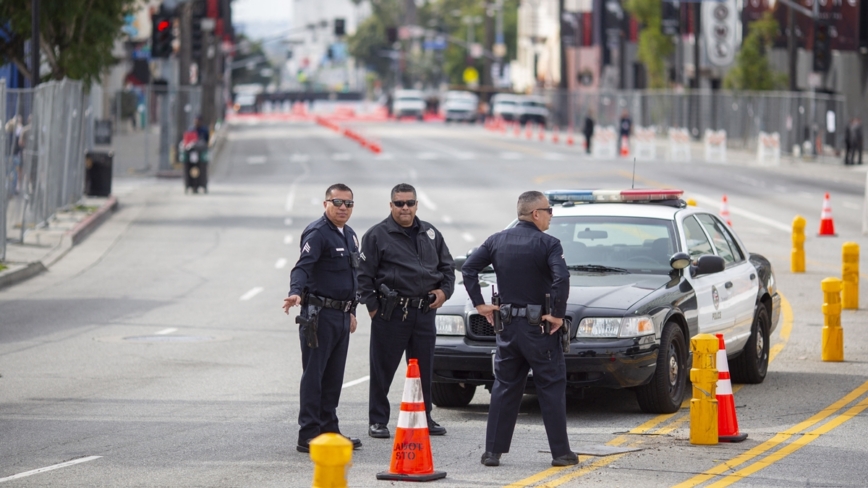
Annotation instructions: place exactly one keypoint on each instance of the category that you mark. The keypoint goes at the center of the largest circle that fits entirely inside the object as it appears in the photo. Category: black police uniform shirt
(411, 267)
(325, 264)
(528, 263)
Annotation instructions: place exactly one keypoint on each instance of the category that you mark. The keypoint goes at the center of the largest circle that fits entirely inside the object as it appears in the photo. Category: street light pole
(34, 43)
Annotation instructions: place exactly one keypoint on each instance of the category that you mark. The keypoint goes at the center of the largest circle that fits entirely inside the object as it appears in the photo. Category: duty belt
(342, 305)
(413, 302)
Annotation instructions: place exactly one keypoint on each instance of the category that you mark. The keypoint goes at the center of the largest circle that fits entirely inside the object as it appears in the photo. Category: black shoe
(357, 443)
(566, 460)
(491, 458)
(304, 446)
(435, 429)
(378, 431)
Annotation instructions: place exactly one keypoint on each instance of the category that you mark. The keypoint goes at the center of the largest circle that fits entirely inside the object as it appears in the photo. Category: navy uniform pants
(520, 347)
(323, 375)
(389, 339)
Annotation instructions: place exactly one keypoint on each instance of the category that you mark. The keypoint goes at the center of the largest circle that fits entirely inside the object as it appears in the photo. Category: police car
(647, 273)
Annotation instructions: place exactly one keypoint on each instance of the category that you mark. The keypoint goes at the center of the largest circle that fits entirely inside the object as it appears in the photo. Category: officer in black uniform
(406, 273)
(325, 280)
(529, 264)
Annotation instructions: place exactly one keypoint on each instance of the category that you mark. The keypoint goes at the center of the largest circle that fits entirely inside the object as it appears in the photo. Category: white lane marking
(851, 206)
(49, 468)
(256, 159)
(429, 156)
(510, 155)
(447, 219)
(252, 293)
(287, 239)
(355, 382)
(427, 202)
(287, 221)
(299, 158)
(385, 157)
(341, 156)
(280, 264)
(167, 331)
(467, 237)
(712, 203)
(553, 157)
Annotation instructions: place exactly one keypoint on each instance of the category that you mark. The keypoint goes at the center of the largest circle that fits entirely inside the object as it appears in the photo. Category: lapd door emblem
(715, 297)
(430, 234)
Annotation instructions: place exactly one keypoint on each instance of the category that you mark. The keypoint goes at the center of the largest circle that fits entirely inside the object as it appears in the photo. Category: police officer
(406, 273)
(325, 278)
(529, 264)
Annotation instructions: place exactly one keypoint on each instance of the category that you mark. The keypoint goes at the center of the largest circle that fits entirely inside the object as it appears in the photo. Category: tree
(654, 46)
(752, 70)
(76, 36)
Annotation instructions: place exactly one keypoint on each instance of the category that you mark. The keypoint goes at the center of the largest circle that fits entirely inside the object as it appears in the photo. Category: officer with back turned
(406, 273)
(324, 282)
(529, 265)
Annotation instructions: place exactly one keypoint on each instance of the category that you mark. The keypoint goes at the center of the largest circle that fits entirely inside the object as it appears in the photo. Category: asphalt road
(156, 352)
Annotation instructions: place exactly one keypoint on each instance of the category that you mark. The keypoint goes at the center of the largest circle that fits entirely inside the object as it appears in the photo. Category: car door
(740, 288)
(712, 317)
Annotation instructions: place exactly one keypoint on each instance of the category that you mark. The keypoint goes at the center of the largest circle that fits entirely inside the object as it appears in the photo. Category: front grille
(479, 326)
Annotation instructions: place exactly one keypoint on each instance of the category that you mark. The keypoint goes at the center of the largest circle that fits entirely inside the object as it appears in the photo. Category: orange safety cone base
(436, 475)
(732, 438)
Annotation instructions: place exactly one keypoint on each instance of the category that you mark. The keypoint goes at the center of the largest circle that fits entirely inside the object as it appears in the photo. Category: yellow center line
(786, 327)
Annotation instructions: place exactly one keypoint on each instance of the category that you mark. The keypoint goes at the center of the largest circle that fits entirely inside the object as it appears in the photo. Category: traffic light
(822, 47)
(161, 36)
(391, 34)
(340, 29)
(196, 38)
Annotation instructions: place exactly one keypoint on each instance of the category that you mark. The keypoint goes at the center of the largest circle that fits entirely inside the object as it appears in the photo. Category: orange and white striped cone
(827, 224)
(542, 132)
(570, 140)
(727, 422)
(625, 147)
(528, 130)
(724, 211)
(412, 459)
(555, 137)
(516, 129)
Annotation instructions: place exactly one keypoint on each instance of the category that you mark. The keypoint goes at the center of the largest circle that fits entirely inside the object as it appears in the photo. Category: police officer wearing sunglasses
(324, 282)
(406, 273)
(529, 264)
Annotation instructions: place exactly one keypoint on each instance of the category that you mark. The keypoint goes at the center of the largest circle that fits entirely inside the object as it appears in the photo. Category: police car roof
(618, 210)
(648, 203)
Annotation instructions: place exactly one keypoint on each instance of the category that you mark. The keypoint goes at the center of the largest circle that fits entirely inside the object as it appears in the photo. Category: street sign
(476, 50)
(436, 44)
(470, 75)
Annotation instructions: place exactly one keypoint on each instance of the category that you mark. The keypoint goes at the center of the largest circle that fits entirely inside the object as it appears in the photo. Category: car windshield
(409, 99)
(634, 244)
(505, 102)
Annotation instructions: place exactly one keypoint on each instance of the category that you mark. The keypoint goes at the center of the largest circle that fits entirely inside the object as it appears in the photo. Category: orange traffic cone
(542, 132)
(516, 129)
(570, 140)
(411, 454)
(625, 147)
(555, 135)
(827, 225)
(724, 211)
(727, 422)
(528, 130)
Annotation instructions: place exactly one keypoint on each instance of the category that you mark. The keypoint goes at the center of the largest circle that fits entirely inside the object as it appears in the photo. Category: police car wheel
(665, 392)
(452, 394)
(752, 364)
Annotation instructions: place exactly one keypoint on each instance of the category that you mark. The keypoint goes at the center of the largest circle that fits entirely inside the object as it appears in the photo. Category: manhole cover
(169, 338)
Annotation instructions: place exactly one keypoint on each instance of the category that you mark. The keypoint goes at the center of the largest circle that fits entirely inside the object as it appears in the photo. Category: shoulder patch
(431, 234)
(306, 247)
(362, 255)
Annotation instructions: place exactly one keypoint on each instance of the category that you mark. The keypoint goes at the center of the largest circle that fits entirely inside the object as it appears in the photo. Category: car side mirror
(679, 260)
(707, 264)
(460, 260)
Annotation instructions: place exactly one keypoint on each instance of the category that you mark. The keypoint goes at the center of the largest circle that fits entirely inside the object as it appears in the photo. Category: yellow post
(331, 455)
(703, 375)
(833, 334)
(797, 257)
(850, 275)
(691, 202)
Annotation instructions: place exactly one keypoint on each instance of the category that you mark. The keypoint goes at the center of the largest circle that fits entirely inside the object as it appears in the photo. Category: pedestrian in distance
(529, 265)
(406, 274)
(202, 132)
(855, 134)
(625, 126)
(588, 130)
(324, 282)
(848, 143)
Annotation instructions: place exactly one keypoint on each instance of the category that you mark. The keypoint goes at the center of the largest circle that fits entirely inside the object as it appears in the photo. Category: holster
(498, 318)
(505, 315)
(308, 319)
(565, 334)
(534, 314)
(388, 301)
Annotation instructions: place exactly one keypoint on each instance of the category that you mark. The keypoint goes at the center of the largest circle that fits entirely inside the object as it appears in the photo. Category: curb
(70, 238)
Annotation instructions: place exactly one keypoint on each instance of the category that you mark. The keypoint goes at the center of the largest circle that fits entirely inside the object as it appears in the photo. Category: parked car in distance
(409, 103)
(532, 109)
(460, 106)
(505, 105)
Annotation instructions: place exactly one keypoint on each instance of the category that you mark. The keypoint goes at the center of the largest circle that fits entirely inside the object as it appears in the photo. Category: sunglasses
(547, 209)
(337, 202)
(401, 203)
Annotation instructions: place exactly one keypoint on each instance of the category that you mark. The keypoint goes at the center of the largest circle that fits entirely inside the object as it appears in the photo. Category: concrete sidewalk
(42, 247)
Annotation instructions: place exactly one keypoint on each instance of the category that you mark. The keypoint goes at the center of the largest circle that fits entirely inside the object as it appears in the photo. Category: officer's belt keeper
(342, 305)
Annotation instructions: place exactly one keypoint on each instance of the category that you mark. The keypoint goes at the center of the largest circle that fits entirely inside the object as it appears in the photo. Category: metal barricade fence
(797, 116)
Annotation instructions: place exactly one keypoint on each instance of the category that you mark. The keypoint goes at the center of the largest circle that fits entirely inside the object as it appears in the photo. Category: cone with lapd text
(827, 225)
(412, 459)
(727, 422)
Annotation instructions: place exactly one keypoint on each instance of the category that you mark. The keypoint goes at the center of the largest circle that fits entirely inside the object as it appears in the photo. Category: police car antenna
(633, 182)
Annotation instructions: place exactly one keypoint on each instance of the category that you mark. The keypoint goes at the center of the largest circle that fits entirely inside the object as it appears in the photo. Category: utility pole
(34, 43)
(791, 47)
(209, 73)
(185, 59)
(487, 79)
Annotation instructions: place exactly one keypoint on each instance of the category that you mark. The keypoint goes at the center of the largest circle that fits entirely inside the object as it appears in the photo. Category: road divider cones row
(366, 142)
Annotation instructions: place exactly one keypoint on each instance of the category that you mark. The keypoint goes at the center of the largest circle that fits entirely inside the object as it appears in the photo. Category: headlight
(615, 326)
(452, 325)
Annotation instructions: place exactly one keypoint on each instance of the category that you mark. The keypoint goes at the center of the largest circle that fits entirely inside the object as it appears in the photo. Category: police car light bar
(612, 196)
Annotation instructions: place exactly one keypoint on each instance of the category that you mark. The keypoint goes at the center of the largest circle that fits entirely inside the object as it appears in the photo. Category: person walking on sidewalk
(529, 265)
(853, 138)
(406, 274)
(588, 130)
(324, 282)
(625, 126)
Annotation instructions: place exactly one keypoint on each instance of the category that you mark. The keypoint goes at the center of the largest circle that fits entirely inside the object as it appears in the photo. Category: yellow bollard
(850, 275)
(703, 375)
(331, 455)
(691, 202)
(833, 334)
(797, 257)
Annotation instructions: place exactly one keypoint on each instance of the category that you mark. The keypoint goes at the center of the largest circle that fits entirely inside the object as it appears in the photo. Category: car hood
(617, 291)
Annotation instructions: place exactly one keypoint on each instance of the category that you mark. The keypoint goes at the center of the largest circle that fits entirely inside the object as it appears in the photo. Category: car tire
(752, 364)
(665, 392)
(452, 394)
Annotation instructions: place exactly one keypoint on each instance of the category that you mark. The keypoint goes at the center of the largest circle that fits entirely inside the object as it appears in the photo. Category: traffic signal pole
(34, 43)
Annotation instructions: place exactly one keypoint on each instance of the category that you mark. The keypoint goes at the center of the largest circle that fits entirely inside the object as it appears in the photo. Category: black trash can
(196, 168)
(98, 175)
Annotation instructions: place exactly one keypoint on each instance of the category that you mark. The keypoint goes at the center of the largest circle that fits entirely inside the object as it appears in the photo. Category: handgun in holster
(388, 301)
(498, 319)
(547, 326)
(307, 319)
